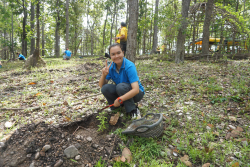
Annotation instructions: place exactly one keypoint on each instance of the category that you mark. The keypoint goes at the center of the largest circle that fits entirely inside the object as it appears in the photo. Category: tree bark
(127, 17)
(32, 27)
(67, 24)
(57, 33)
(144, 31)
(180, 51)
(111, 34)
(103, 37)
(208, 17)
(43, 40)
(132, 30)
(155, 37)
(12, 41)
(24, 42)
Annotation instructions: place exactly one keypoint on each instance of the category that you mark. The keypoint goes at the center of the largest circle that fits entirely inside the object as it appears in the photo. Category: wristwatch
(118, 37)
(120, 100)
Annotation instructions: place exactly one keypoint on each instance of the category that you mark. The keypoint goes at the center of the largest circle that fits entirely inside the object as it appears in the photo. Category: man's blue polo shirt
(127, 73)
(68, 53)
(22, 57)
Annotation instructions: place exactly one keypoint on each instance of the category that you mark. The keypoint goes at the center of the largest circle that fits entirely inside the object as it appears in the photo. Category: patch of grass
(146, 148)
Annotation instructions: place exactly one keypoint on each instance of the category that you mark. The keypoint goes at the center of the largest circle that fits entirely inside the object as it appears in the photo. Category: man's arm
(130, 94)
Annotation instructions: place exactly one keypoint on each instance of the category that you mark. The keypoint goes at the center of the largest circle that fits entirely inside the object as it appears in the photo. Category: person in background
(0, 64)
(67, 54)
(158, 49)
(127, 89)
(117, 38)
(123, 37)
(20, 56)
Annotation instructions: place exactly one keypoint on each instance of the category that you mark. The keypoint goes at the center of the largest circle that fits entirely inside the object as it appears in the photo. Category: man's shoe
(135, 113)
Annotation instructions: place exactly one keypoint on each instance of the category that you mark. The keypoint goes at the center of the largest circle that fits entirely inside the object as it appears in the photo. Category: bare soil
(26, 142)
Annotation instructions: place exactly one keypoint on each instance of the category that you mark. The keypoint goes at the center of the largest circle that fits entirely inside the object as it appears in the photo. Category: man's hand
(105, 70)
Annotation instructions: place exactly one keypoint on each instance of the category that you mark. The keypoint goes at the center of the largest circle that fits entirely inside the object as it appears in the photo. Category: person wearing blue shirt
(21, 57)
(128, 89)
(67, 54)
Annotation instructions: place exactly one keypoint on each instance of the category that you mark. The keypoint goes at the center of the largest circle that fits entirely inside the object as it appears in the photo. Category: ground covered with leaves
(206, 110)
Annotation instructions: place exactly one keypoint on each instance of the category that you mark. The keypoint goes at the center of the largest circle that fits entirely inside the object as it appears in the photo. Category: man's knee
(123, 88)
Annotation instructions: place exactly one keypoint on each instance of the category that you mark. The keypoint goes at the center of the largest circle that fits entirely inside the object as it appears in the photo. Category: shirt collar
(113, 66)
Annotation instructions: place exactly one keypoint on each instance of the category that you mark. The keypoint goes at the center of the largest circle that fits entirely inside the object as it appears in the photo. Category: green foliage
(101, 163)
(146, 148)
(103, 121)
(236, 98)
(217, 99)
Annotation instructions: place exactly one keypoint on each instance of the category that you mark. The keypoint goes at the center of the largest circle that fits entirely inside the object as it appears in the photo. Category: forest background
(87, 27)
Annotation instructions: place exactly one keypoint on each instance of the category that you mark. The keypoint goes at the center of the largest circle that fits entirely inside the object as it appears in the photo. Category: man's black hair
(123, 24)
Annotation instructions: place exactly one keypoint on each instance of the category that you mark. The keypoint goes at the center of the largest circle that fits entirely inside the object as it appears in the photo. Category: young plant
(103, 121)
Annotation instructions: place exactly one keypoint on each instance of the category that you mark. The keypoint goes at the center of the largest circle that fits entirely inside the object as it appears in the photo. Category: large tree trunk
(57, 35)
(35, 60)
(43, 40)
(180, 51)
(32, 27)
(208, 17)
(132, 30)
(24, 42)
(155, 37)
(67, 24)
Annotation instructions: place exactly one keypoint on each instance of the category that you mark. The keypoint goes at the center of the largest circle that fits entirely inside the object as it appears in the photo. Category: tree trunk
(12, 41)
(92, 40)
(111, 34)
(208, 17)
(155, 37)
(132, 30)
(127, 19)
(180, 51)
(38, 26)
(193, 41)
(103, 37)
(144, 31)
(32, 27)
(234, 33)
(57, 36)
(43, 40)
(57, 33)
(24, 42)
(67, 24)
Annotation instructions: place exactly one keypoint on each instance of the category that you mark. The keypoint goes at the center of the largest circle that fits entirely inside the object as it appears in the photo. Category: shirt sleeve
(132, 74)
